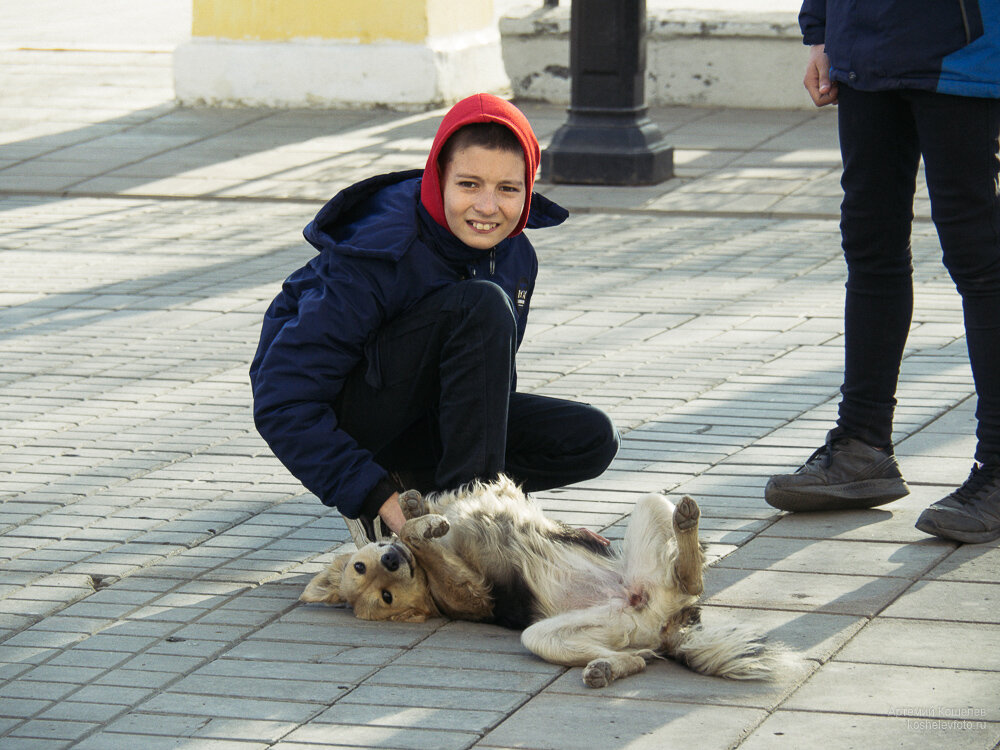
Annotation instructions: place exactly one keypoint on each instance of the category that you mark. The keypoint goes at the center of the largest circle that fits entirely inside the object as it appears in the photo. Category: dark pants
(433, 401)
(882, 137)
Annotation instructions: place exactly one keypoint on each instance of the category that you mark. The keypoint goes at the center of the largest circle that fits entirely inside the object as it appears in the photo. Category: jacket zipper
(493, 265)
(965, 22)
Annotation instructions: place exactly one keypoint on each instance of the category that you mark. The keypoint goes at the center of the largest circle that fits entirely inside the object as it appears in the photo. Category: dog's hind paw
(413, 504)
(686, 515)
(598, 674)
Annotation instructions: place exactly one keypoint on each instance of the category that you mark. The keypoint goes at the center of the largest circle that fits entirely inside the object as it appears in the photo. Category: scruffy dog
(486, 553)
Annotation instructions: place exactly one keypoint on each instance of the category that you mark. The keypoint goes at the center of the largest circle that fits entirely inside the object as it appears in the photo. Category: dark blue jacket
(379, 253)
(947, 46)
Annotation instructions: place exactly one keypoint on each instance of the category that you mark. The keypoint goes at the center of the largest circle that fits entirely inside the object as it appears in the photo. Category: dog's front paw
(413, 504)
(431, 526)
(437, 526)
(598, 674)
(686, 515)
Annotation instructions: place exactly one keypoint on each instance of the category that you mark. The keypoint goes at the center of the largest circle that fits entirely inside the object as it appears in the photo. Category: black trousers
(882, 137)
(433, 401)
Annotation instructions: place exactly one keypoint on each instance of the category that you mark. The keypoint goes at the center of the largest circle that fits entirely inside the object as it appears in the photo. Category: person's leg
(856, 467)
(553, 442)
(959, 139)
(962, 173)
(430, 398)
(881, 154)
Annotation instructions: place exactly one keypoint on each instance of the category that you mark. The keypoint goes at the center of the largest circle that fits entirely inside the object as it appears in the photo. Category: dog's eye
(359, 567)
(387, 597)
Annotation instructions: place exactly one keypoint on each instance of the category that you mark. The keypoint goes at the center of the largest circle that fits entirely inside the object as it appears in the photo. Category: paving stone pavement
(153, 549)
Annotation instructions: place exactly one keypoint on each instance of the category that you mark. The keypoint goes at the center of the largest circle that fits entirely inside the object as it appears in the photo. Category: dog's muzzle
(395, 555)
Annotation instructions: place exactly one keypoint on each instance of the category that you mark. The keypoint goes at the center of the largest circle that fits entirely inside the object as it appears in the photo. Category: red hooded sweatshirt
(480, 108)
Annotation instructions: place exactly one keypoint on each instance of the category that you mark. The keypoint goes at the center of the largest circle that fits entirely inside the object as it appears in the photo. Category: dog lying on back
(487, 553)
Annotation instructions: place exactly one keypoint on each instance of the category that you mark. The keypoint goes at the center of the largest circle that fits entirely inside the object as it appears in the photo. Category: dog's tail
(734, 652)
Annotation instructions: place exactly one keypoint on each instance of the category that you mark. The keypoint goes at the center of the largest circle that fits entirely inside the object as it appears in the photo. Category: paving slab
(840, 731)
(861, 595)
(561, 722)
(974, 562)
(404, 718)
(885, 559)
(669, 682)
(806, 635)
(890, 690)
(949, 600)
(887, 640)
(378, 737)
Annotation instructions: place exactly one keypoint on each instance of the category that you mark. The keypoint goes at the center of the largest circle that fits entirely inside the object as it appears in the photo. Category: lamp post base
(608, 147)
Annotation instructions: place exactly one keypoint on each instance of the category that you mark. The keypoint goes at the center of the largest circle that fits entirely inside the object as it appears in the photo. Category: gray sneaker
(845, 474)
(364, 530)
(971, 513)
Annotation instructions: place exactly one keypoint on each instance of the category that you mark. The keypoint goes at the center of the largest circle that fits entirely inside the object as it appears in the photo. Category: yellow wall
(454, 16)
(362, 20)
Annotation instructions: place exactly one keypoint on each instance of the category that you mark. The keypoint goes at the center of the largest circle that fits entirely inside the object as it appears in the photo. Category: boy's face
(483, 195)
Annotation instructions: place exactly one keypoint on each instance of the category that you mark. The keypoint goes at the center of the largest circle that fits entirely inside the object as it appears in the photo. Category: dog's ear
(325, 586)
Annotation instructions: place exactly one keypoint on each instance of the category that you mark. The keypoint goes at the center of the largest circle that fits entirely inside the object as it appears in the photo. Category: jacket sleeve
(311, 339)
(812, 21)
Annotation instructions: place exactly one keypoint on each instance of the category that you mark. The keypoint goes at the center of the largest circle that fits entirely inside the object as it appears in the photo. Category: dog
(487, 553)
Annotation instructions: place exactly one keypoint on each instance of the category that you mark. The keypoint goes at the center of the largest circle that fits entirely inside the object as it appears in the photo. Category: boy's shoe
(366, 530)
(971, 513)
(845, 474)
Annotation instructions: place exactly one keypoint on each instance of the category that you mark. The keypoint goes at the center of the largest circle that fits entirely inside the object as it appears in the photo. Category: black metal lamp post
(608, 139)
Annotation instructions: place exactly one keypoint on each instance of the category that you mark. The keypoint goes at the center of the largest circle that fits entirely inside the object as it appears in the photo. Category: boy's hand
(817, 79)
(391, 514)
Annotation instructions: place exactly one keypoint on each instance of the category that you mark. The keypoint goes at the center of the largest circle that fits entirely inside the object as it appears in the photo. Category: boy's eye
(467, 184)
(387, 597)
(359, 568)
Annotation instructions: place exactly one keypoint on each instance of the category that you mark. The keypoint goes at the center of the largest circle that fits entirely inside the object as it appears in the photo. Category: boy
(387, 362)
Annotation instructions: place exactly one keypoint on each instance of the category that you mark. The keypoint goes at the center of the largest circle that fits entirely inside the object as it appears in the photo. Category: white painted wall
(328, 73)
(720, 53)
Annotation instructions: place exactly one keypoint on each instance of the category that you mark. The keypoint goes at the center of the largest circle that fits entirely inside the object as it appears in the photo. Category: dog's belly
(581, 589)
(534, 569)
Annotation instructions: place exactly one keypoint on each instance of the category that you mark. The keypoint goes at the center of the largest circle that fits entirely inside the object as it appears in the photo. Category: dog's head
(381, 581)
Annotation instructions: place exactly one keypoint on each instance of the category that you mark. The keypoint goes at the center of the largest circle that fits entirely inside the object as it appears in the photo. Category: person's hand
(391, 514)
(817, 80)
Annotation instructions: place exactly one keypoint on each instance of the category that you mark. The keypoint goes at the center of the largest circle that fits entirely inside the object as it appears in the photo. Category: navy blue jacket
(947, 46)
(379, 253)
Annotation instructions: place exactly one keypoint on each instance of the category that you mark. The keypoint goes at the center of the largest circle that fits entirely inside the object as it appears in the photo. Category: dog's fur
(487, 553)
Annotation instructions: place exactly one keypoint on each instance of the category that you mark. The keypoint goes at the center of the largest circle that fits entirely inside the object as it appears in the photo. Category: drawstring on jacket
(493, 265)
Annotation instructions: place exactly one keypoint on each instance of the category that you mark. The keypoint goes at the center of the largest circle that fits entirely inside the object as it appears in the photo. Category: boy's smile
(483, 192)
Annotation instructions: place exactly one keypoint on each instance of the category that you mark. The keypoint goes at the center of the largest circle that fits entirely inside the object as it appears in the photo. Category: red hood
(480, 108)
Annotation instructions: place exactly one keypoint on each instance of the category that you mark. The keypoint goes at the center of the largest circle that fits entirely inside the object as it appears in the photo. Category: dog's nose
(390, 560)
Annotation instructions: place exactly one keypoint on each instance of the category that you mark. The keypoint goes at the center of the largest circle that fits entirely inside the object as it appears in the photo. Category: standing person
(387, 361)
(912, 79)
